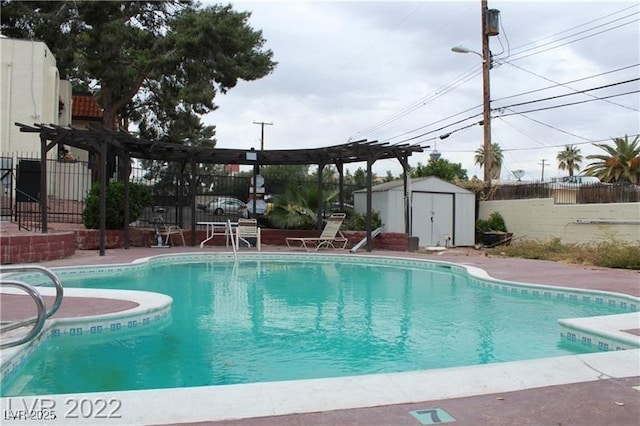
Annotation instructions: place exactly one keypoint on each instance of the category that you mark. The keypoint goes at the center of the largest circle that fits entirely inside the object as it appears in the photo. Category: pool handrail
(233, 242)
(46, 271)
(38, 321)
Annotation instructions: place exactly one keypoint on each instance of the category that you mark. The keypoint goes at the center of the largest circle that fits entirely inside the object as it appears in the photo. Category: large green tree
(158, 64)
(496, 159)
(569, 159)
(442, 168)
(621, 163)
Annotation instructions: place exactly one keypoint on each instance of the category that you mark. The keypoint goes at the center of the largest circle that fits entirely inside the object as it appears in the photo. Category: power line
(569, 42)
(577, 26)
(567, 104)
(552, 127)
(522, 132)
(566, 84)
(507, 115)
(495, 100)
(456, 82)
(569, 36)
(578, 92)
(466, 77)
(462, 151)
(508, 107)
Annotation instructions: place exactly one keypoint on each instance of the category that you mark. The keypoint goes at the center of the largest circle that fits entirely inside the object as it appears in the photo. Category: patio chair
(247, 229)
(330, 236)
(163, 229)
(174, 230)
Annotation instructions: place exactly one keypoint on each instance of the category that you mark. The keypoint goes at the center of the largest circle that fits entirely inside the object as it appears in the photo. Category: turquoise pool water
(289, 320)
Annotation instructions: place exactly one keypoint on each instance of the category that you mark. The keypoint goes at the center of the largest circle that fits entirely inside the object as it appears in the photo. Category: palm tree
(569, 159)
(297, 208)
(496, 159)
(620, 164)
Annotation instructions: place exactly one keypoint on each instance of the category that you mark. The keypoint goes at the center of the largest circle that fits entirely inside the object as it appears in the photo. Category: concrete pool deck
(583, 390)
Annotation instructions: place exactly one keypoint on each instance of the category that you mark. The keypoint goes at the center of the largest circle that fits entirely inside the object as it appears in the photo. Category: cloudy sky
(385, 71)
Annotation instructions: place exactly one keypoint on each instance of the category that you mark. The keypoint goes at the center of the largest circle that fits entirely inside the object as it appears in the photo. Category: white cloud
(345, 67)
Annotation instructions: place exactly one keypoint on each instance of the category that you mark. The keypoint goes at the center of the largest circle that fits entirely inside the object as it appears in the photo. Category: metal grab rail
(38, 321)
(46, 271)
(233, 240)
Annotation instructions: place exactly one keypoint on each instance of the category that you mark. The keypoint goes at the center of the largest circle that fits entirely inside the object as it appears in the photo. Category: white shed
(441, 213)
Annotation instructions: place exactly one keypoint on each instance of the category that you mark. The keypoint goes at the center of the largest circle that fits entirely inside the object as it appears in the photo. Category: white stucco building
(32, 92)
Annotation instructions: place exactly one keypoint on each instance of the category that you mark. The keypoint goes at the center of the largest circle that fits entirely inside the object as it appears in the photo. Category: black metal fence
(69, 183)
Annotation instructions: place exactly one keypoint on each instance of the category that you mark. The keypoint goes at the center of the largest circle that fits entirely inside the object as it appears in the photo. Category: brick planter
(36, 247)
(41, 247)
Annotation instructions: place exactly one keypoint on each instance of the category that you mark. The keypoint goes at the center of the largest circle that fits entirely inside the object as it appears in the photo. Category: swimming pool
(324, 319)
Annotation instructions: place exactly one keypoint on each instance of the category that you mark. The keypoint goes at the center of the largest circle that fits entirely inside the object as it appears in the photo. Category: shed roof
(423, 183)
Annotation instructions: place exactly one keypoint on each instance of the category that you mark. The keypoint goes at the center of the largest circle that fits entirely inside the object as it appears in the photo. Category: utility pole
(542, 163)
(486, 94)
(262, 124)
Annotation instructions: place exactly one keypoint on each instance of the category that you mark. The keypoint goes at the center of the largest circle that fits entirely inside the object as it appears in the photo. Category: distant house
(440, 213)
(85, 111)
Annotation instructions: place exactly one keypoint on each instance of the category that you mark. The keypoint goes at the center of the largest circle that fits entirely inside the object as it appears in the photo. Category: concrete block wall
(541, 219)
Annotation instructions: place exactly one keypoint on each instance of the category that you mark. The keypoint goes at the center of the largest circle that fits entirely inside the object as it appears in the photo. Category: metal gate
(6, 178)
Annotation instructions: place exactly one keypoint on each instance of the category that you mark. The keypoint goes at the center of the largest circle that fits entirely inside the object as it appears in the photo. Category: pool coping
(279, 398)
(256, 400)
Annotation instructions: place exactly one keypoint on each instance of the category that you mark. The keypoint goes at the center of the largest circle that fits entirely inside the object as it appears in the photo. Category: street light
(489, 28)
(462, 49)
(486, 108)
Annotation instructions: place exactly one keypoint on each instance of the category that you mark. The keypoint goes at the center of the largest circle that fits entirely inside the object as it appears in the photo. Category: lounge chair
(247, 228)
(330, 236)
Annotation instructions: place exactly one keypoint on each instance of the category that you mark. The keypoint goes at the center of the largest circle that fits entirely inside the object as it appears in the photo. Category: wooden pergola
(100, 140)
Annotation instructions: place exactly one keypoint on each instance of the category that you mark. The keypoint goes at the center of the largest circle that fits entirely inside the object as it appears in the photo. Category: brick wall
(36, 247)
(40, 247)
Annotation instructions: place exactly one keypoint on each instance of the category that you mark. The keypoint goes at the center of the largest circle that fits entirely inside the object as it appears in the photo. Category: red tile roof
(86, 107)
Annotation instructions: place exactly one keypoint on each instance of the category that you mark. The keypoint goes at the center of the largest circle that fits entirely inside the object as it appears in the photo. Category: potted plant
(493, 231)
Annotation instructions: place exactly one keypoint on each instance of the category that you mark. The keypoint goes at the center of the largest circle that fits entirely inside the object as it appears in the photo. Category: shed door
(432, 218)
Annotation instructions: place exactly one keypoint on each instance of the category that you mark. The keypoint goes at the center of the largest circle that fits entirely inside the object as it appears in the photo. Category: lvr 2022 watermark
(43, 409)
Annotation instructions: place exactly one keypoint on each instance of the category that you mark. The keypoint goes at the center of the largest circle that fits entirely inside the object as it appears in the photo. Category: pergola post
(340, 167)
(404, 161)
(320, 197)
(127, 201)
(192, 193)
(43, 183)
(103, 194)
(369, 217)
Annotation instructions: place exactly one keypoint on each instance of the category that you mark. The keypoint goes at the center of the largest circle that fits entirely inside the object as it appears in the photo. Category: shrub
(495, 223)
(358, 221)
(139, 198)
(616, 254)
